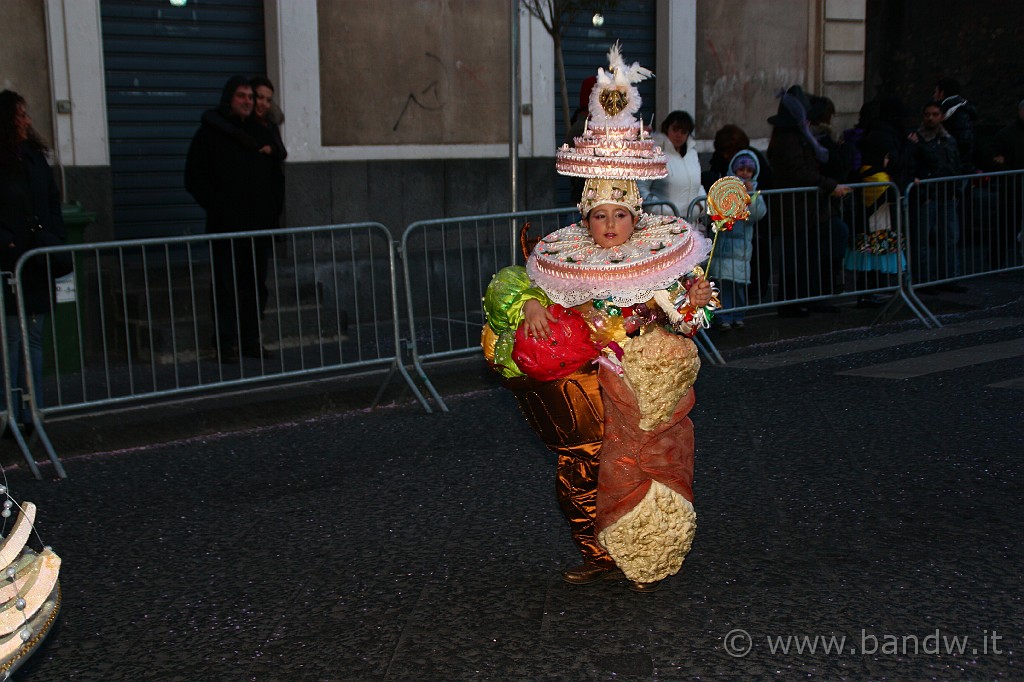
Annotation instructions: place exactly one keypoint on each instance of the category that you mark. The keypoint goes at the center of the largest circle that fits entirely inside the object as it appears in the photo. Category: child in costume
(618, 291)
(731, 265)
(877, 247)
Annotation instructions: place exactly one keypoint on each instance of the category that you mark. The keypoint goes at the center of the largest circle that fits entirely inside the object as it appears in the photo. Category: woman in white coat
(682, 185)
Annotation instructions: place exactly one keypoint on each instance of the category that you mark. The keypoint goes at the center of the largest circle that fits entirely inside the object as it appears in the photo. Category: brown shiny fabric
(568, 415)
(632, 458)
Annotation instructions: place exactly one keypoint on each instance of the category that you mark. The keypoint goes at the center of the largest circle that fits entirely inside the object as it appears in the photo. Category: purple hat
(743, 161)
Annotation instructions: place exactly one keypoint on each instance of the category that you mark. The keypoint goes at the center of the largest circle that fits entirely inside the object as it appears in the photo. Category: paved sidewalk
(390, 544)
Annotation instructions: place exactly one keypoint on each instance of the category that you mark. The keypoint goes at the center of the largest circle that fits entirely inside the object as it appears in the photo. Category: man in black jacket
(933, 155)
(240, 190)
(958, 116)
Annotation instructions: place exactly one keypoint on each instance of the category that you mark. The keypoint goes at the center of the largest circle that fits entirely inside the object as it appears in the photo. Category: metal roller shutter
(585, 47)
(164, 66)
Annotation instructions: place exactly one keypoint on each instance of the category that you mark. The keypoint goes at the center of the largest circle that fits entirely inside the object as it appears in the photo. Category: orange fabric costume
(648, 537)
(632, 458)
(568, 415)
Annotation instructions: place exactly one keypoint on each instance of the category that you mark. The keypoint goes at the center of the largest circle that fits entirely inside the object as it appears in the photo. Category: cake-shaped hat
(614, 145)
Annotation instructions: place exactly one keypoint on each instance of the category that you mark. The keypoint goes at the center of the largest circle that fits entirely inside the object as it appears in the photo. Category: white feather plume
(625, 75)
(618, 77)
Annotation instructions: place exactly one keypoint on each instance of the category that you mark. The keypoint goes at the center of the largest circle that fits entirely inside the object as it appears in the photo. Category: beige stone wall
(842, 58)
(746, 52)
(434, 72)
(23, 54)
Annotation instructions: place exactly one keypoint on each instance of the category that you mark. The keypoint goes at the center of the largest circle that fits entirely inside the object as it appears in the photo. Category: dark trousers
(239, 290)
(935, 225)
(804, 255)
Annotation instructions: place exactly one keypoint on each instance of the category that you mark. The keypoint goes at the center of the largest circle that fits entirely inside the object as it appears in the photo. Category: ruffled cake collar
(572, 269)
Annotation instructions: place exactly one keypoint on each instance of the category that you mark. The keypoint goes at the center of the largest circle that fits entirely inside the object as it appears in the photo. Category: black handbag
(61, 263)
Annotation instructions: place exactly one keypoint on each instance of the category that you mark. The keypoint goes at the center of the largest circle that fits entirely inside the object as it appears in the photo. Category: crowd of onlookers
(802, 248)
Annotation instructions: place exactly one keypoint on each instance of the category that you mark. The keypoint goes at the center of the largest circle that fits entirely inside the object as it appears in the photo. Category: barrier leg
(7, 423)
(47, 445)
(707, 346)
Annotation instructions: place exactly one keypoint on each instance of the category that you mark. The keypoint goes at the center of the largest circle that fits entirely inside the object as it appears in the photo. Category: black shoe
(953, 288)
(792, 310)
(26, 429)
(871, 301)
(823, 308)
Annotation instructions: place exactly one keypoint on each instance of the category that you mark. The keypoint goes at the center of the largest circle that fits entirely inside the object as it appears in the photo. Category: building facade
(395, 111)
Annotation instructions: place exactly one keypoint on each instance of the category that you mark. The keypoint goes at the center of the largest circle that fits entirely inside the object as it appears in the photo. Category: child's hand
(699, 293)
(536, 318)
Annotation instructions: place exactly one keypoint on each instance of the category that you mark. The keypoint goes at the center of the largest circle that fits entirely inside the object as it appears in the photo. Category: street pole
(513, 118)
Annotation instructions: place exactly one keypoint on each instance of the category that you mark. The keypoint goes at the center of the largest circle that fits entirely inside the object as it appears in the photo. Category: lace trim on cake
(572, 269)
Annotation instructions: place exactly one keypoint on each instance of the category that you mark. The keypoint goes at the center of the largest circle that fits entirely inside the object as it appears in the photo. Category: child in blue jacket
(730, 265)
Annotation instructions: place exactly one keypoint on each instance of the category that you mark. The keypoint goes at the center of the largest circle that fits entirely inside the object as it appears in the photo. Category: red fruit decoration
(568, 348)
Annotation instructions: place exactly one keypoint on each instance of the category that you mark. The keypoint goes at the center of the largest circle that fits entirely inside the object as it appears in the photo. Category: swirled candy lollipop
(728, 202)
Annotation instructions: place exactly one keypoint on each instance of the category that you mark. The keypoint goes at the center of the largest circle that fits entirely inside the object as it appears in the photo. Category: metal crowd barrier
(135, 321)
(138, 319)
(811, 248)
(15, 398)
(964, 226)
(447, 264)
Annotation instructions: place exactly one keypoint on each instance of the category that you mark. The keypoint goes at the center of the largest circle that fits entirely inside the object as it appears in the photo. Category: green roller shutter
(585, 48)
(165, 65)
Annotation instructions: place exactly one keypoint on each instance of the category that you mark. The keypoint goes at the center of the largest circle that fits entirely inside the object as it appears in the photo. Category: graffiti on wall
(384, 83)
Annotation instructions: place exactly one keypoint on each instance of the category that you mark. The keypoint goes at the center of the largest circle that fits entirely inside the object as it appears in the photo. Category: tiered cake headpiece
(614, 151)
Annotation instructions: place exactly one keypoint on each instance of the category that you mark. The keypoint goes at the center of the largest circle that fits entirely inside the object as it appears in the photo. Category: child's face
(746, 173)
(610, 224)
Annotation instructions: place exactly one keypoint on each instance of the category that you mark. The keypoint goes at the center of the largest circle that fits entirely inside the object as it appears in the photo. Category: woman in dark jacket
(796, 158)
(30, 217)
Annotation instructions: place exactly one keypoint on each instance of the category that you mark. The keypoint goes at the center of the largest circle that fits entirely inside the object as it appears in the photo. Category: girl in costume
(877, 246)
(592, 337)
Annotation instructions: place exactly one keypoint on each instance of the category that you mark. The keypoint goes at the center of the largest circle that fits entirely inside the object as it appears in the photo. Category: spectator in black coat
(958, 116)
(241, 189)
(1008, 148)
(933, 155)
(796, 158)
(840, 158)
(30, 217)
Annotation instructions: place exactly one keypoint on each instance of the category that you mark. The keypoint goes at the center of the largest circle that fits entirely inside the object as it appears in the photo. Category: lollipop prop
(728, 202)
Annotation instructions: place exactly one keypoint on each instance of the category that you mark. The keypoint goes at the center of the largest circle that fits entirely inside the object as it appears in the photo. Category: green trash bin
(69, 287)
